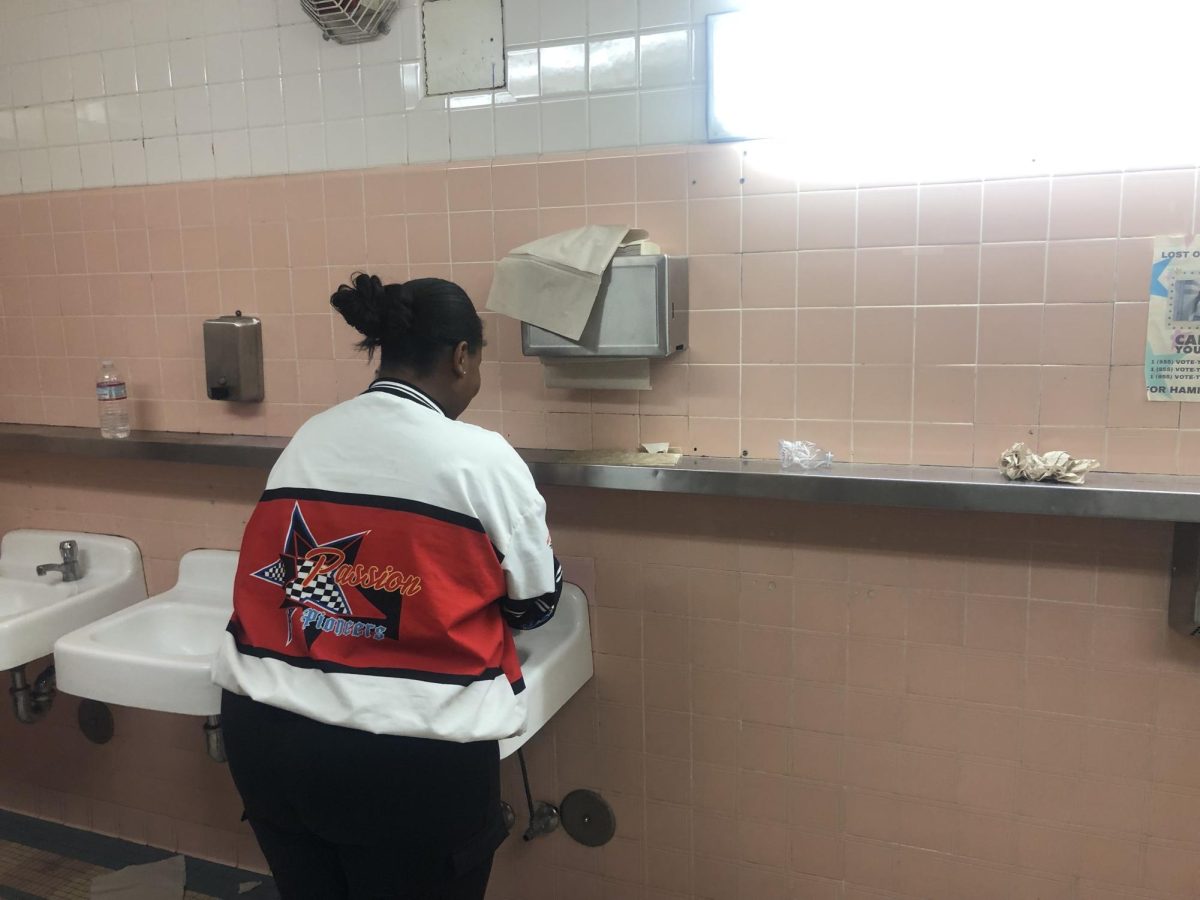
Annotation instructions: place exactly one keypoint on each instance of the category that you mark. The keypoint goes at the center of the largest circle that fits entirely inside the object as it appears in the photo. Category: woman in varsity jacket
(369, 668)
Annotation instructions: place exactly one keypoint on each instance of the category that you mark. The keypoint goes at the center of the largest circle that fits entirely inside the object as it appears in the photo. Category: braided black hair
(412, 323)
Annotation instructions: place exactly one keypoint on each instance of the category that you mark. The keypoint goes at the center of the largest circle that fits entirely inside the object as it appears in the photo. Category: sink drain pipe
(214, 739)
(543, 817)
(30, 703)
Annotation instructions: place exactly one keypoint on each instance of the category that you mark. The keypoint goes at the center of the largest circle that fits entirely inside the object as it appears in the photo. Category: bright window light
(937, 89)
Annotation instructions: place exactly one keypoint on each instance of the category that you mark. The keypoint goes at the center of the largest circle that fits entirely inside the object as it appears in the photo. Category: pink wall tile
(1129, 406)
(1012, 273)
(667, 223)
(1079, 271)
(426, 190)
(767, 170)
(1134, 257)
(469, 188)
(768, 392)
(883, 336)
(827, 219)
(947, 274)
(882, 393)
(946, 335)
(769, 223)
(769, 336)
(69, 254)
(515, 186)
(943, 444)
(825, 278)
(268, 243)
(35, 215)
(714, 391)
(1017, 210)
(514, 228)
(944, 394)
(714, 171)
(883, 442)
(304, 196)
(887, 217)
(612, 180)
(346, 241)
(950, 213)
(199, 250)
(714, 282)
(1074, 396)
(1077, 334)
(714, 226)
(234, 248)
(562, 183)
(428, 239)
(715, 337)
(824, 336)
(1156, 203)
(662, 176)
(1010, 334)
(1085, 206)
(824, 392)
(133, 251)
(769, 280)
(713, 437)
(196, 205)
(1007, 395)
(884, 277)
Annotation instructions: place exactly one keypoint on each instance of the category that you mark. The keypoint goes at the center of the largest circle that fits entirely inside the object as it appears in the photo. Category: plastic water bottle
(113, 401)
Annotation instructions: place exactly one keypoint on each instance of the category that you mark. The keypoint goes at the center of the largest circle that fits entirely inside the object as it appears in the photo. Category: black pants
(342, 814)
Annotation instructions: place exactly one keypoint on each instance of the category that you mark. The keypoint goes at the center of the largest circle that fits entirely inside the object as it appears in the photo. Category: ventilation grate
(350, 21)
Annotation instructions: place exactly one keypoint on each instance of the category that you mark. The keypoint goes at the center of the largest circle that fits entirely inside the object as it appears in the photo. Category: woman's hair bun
(364, 305)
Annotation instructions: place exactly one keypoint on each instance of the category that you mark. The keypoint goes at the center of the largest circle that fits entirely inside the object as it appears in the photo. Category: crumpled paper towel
(1018, 462)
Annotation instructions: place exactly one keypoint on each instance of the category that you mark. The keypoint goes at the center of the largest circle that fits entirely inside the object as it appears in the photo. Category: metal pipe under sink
(31, 702)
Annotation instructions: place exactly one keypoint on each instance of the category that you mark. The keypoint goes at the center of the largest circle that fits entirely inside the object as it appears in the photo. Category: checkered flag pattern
(322, 590)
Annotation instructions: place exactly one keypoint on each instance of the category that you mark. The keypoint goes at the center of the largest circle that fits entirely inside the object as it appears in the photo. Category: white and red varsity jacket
(382, 568)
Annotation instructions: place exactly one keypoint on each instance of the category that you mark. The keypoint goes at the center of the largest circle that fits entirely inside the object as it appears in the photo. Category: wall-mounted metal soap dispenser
(233, 358)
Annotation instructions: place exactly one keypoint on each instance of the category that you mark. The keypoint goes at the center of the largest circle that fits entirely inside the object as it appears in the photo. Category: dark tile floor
(44, 861)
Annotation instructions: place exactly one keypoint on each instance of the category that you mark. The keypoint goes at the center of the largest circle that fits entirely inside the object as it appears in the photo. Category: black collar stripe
(406, 392)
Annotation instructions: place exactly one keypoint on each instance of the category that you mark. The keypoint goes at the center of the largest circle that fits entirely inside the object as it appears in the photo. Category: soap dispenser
(233, 358)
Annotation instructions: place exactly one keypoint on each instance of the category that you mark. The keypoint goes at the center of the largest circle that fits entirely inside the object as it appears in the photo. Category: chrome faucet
(69, 567)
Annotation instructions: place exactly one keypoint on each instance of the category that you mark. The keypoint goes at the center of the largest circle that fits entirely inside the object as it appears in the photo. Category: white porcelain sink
(35, 610)
(556, 661)
(158, 654)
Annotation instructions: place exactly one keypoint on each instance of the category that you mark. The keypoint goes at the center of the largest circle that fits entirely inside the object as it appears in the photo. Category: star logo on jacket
(304, 573)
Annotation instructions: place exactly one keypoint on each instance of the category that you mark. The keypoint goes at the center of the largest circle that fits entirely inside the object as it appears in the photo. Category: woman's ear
(461, 352)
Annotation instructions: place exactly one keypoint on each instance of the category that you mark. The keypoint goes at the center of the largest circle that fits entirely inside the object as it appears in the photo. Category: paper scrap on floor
(553, 282)
(162, 880)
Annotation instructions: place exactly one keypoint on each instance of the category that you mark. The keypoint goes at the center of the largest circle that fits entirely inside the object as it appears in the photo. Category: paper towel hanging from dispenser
(596, 304)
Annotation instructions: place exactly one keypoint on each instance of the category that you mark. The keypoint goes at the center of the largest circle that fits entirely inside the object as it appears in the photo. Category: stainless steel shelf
(1166, 498)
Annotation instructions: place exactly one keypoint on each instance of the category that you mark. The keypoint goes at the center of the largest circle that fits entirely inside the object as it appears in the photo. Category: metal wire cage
(350, 21)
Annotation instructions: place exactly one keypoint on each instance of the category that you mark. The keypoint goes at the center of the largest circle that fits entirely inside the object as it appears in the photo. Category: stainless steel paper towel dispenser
(233, 358)
(640, 313)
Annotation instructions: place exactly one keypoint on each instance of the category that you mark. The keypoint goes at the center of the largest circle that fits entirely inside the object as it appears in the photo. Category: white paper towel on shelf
(553, 282)
(597, 374)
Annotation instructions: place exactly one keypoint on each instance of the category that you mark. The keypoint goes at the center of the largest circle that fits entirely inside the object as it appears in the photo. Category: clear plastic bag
(804, 455)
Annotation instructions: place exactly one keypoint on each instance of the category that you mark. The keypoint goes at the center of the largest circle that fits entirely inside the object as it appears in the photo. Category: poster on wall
(1173, 330)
